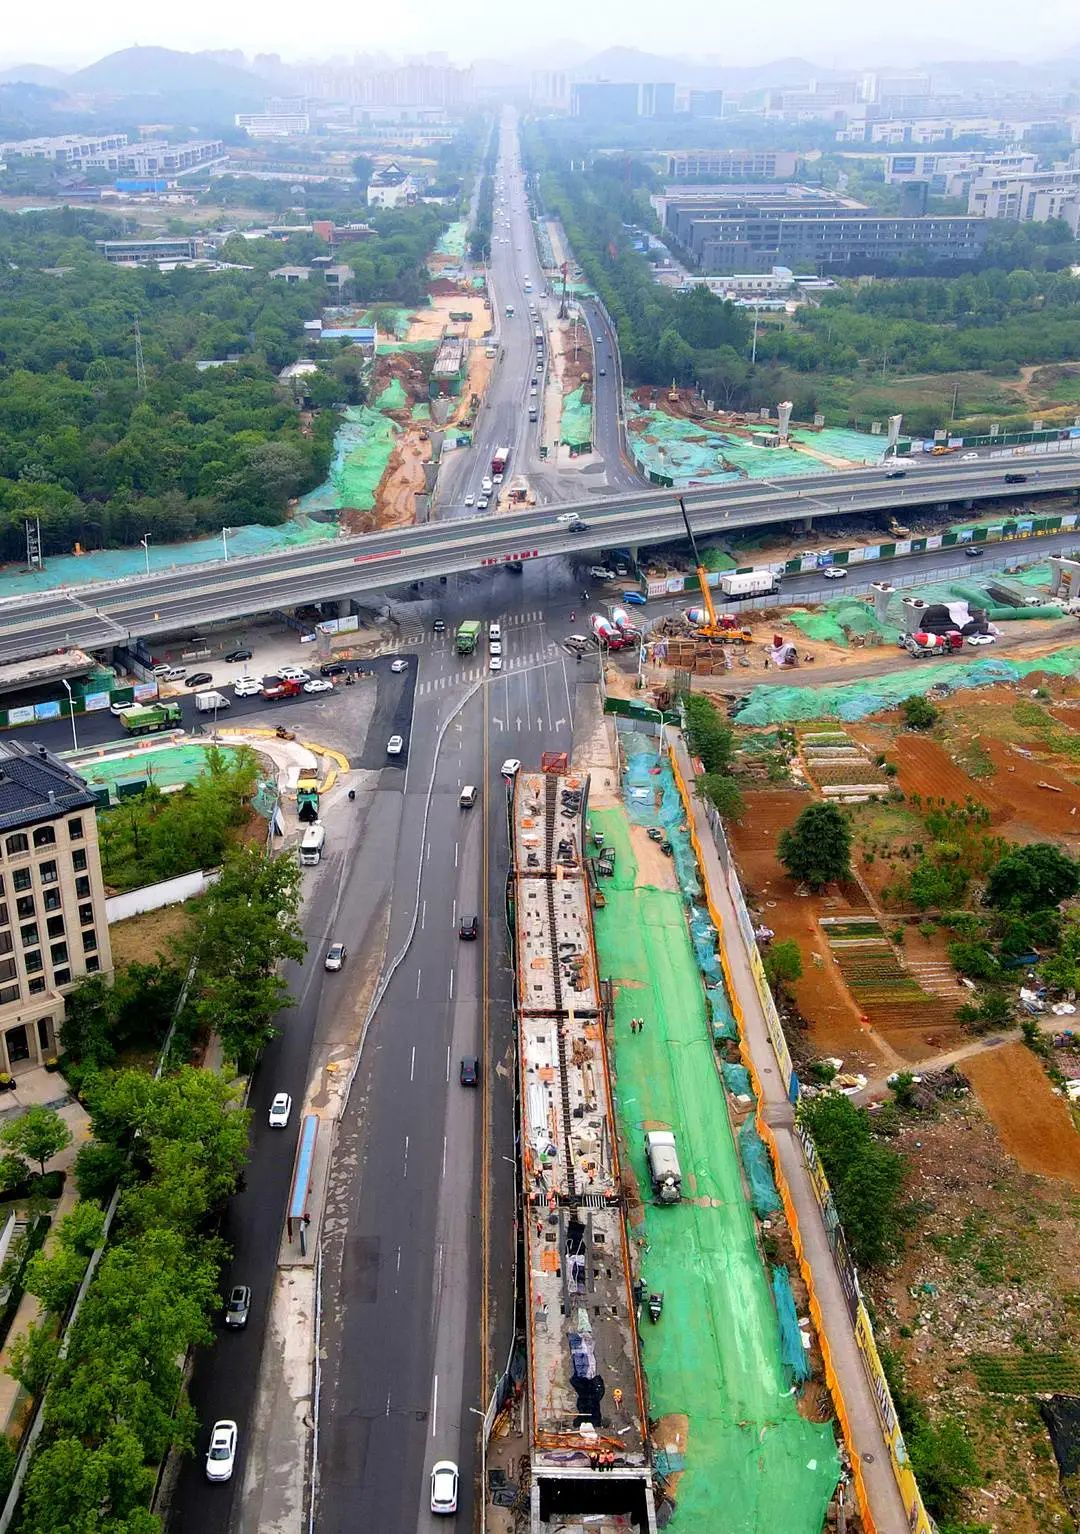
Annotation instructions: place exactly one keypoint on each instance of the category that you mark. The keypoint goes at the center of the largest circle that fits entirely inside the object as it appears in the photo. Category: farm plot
(888, 993)
(840, 767)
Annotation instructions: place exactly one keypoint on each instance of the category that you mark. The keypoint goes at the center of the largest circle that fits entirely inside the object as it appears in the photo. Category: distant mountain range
(149, 73)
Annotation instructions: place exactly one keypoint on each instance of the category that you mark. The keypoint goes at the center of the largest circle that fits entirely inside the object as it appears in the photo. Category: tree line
(100, 461)
(1018, 304)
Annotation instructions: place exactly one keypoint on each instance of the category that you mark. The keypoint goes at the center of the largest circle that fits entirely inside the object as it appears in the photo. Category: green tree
(250, 926)
(708, 734)
(817, 848)
(722, 793)
(34, 1354)
(919, 713)
(783, 964)
(974, 959)
(55, 1276)
(1031, 877)
(39, 1134)
(866, 1177)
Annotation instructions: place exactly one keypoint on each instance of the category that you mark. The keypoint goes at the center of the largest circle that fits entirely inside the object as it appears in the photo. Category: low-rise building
(291, 274)
(733, 164)
(273, 124)
(949, 173)
(150, 252)
(53, 926)
(65, 148)
(1029, 197)
(157, 158)
(391, 187)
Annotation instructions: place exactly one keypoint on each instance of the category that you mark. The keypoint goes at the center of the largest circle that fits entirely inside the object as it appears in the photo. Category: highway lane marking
(388, 1403)
(412, 1073)
(435, 1407)
(451, 983)
(419, 972)
(444, 1156)
(423, 909)
(453, 912)
(448, 1062)
(455, 854)
(406, 1156)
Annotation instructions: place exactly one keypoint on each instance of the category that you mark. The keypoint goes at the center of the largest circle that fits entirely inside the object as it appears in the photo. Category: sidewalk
(39, 1086)
(867, 1442)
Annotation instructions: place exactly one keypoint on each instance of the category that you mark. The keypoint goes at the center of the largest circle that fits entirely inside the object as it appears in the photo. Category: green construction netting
(718, 559)
(721, 1017)
(869, 695)
(750, 1461)
(421, 411)
(389, 319)
(692, 450)
(736, 1078)
(575, 428)
(838, 620)
(362, 447)
(796, 1356)
(393, 397)
(165, 767)
(759, 1176)
(418, 348)
(452, 241)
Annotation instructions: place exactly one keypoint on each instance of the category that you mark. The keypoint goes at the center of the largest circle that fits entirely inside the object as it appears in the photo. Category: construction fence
(919, 1521)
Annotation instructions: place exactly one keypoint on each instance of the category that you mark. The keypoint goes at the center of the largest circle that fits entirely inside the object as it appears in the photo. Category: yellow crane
(722, 630)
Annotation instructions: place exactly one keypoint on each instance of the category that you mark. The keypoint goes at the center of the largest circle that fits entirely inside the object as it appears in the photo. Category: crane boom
(706, 595)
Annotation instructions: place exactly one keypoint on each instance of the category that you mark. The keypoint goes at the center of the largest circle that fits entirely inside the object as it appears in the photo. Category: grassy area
(141, 938)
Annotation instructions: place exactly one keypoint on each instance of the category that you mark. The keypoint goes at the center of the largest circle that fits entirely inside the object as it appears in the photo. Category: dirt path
(654, 868)
(1033, 1123)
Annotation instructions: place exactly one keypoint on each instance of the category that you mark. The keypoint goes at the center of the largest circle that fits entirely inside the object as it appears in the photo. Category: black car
(333, 668)
(438, 627)
(469, 928)
(199, 679)
(578, 527)
(896, 474)
(470, 1071)
(238, 1307)
(1016, 479)
(514, 566)
(234, 655)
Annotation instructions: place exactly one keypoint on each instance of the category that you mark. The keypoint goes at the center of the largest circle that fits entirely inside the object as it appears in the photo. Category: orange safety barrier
(919, 1520)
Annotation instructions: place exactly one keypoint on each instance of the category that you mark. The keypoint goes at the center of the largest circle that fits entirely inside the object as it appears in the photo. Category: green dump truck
(467, 637)
(140, 720)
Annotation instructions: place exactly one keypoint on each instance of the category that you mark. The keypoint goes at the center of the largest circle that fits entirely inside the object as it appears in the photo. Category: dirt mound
(1033, 1123)
(442, 287)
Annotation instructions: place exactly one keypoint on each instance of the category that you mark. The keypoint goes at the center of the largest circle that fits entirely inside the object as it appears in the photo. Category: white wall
(153, 896)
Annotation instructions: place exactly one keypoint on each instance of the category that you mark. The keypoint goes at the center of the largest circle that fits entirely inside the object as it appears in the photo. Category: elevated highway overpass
(94, 616)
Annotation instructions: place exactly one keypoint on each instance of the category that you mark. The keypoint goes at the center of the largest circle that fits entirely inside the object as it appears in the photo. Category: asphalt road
(403, 1274)
(344, 897)
(103, 615)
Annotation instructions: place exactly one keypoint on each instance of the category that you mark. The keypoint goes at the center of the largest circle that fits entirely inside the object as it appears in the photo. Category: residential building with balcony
(53, 925)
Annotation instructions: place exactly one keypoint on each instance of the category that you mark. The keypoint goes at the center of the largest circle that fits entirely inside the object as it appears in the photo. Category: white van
(467, 797)
(568, 518)
(311, 845)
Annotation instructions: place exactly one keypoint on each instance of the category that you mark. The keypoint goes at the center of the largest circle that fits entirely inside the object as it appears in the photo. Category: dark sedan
(235, 655)
(200, 679)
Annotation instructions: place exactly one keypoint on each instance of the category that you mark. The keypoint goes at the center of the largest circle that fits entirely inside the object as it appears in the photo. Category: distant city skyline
(847, 35)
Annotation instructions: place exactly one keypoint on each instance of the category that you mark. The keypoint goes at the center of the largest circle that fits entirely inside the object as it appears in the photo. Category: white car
(444, 1487)
(247, 686)
(116, 709)
(395, 745)
(483, 503)
(494, 629)
(470, 499)
(494, 646)
(980, 639)
(495, 663)
(834, 573)
(398, 666)
(294, 674)
(319, 684)
(969, 457)
(280, 1109)
(221, 1455)
(511, 767)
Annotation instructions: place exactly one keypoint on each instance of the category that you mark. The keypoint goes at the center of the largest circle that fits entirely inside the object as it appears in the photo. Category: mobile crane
(719, 629)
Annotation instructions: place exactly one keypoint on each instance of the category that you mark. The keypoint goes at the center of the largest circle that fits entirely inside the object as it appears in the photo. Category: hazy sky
(834, 33)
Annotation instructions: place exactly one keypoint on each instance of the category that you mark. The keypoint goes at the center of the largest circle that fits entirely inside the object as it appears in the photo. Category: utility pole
(140, 366)
(34, 561)
(753, 348)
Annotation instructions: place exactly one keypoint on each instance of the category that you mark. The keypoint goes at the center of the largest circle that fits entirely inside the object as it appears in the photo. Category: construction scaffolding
(588, 1432)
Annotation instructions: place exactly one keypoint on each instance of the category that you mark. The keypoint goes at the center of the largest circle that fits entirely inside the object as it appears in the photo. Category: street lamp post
(225, 531)
(483, 1466)
(145, 541)
(660, 716)
(71, 710)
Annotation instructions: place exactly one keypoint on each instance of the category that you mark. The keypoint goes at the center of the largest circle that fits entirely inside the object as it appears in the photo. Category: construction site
(647, 1192)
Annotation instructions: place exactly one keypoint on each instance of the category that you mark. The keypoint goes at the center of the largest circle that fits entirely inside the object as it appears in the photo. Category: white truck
(748, 583)
(663, 1162)
(311, 844)
(211, 702)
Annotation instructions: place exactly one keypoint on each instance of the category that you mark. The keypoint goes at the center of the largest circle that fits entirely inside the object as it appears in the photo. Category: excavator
(719, 628)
